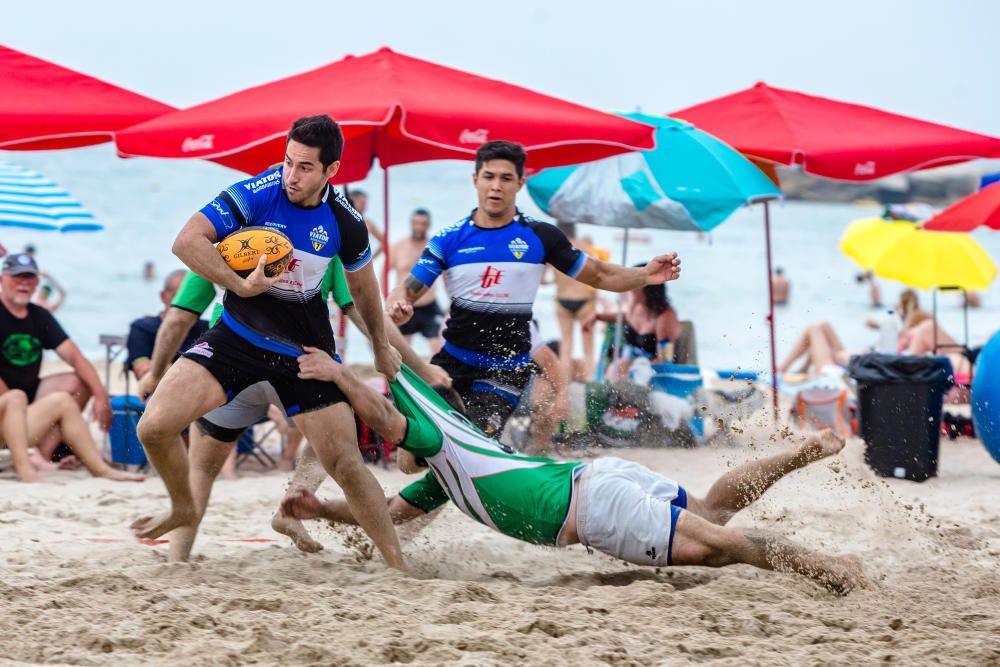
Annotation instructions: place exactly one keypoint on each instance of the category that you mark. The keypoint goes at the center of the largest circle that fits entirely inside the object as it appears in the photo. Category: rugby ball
(242, 248)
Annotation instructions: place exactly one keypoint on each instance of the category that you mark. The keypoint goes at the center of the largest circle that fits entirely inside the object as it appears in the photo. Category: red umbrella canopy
(978, 209)
(46, 106)
(830, 138)
(391, 106)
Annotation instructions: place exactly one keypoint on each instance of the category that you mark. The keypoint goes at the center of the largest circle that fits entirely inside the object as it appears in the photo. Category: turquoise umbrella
(691, 181)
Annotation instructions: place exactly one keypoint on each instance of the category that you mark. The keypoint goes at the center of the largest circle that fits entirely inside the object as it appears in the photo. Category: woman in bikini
(575, 302)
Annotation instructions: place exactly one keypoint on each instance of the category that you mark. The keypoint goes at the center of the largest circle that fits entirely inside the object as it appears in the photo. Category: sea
(142, 203)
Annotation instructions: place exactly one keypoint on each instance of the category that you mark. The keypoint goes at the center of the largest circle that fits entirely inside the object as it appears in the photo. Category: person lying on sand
(614, 506)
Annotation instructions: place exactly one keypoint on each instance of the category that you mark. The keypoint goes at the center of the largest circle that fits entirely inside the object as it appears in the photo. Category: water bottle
(888, 333)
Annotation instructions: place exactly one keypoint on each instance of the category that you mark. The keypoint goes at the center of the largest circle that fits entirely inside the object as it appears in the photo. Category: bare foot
(151, 527)
(294, 529)
(817, 447)
(35, 478)
(41, 463)
(116, 475)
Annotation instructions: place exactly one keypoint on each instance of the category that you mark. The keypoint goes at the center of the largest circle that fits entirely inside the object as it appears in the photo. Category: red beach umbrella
(833, 139)
(830, 139)
(979, 209)
(391, 106)
(46, 106)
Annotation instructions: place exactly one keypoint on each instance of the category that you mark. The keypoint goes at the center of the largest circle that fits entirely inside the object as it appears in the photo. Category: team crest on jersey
(518, 247)
(319, 237)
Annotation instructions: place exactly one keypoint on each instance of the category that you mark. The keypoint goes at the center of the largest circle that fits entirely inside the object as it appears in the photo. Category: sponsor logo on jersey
(347, 204)
(319, 237)
(202, 349)
(479, 136)
(227, 220)
(469, 251)
(264, 182)
(518, 247)
(276, 225)
(292, 263)
(205, 142)
(490, 278)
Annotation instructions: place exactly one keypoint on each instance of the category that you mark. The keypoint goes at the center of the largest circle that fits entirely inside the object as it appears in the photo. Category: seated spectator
(650, 327)
(142, 332)
(25, 330)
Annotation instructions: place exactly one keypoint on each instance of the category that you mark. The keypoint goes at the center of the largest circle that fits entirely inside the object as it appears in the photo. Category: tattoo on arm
(413, 284)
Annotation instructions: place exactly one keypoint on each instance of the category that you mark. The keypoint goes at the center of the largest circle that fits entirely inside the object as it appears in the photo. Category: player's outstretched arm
(399, 303)
(194, 246)
(429, 373)
(615, 278)
(302, 504)
(372, 407)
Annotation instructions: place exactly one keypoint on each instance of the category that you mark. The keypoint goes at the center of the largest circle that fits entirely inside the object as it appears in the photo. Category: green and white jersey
(521, 496)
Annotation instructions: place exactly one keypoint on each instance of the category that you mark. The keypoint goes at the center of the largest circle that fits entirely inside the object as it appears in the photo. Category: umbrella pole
(770, 314)
(385, 232)
(621, 314)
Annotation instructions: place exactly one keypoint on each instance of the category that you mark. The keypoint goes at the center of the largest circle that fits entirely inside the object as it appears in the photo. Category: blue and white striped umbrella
(31, 201)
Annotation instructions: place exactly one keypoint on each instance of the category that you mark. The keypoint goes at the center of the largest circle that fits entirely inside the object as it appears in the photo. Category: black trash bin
(899, 404)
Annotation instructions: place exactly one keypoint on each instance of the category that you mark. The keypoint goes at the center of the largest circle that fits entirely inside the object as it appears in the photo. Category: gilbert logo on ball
(242, 249)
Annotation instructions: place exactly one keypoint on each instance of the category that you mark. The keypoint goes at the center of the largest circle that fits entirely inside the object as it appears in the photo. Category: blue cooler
(682, 382)
(125, 446)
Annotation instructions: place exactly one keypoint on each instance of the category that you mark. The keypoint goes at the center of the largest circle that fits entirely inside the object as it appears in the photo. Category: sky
(932, 60)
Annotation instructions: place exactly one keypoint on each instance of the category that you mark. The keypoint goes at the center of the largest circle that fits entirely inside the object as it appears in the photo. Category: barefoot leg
(186, 392)
(746, 483)
(309, 474)
(61, 410)
(207, 456)
(699, 542)
(14, 430)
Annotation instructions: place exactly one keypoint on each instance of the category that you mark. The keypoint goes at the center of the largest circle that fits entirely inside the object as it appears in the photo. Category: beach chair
(818, 408)
(251, 444)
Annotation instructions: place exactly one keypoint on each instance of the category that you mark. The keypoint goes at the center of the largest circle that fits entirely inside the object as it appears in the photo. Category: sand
(77, 590)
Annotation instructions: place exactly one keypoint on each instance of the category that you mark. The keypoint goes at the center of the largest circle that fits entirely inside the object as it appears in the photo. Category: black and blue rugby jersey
(292, 313)
(492, 276)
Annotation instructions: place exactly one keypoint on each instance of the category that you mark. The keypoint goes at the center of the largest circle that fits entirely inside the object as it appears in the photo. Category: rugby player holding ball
(266, 323)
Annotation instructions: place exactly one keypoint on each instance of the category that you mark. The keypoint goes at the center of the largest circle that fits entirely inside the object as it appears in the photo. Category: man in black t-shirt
(142, 332)
(27, 329)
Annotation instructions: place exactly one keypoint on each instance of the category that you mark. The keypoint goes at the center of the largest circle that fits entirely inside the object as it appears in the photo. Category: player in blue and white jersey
(267, 321)
(492, 263)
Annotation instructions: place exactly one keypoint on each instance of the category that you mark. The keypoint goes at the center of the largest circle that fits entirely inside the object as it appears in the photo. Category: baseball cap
(18, 264)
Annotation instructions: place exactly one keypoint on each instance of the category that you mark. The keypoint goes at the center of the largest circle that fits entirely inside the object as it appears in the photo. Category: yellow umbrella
(926, 260)
(865, 240)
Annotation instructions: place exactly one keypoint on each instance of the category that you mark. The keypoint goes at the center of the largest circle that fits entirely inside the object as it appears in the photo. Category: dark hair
(655, 296)
(779, 270)
(320, 132)
(421, 211)
(502, 150)
(357, 192)
(450, 396)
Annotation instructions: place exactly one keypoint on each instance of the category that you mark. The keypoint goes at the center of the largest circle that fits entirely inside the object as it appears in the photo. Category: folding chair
(250, 444)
